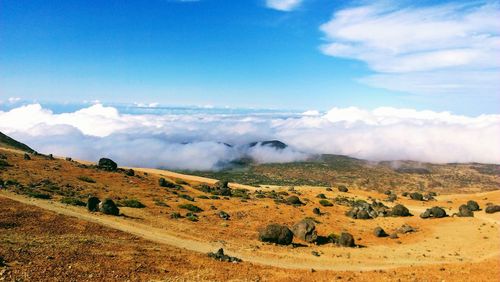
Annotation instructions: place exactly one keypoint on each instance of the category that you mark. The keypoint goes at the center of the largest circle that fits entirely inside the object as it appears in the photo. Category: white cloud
(442, 49)
(283, 5)
(196, 140)
(13, 100)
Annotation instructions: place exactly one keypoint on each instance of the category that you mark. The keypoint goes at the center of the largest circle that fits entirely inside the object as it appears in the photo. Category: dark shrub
(224, 215)
(275, 233)
(325, 203)
(190, 207)
(27, 157)
(131, 203)
(181, 181)
(73, 202)
(107, 164)
(129, 172)
(321, 196)
(165, 183)
(405, 194)
(86, 179)
(175, 215)
(186, 197)
(93, 204)
(109, 207)
(39, 195)
(202, 197)
(192, 216)
(438, 212)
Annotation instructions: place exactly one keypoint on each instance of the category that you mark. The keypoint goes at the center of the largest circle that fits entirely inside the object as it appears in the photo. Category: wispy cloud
(197, 140)
(442, 49)
(283, 5)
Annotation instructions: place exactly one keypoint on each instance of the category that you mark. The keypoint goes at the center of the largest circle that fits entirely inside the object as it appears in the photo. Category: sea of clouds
(198, 140)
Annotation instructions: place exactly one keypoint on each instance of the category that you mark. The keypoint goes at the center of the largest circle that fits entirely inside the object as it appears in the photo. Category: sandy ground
(449, 248)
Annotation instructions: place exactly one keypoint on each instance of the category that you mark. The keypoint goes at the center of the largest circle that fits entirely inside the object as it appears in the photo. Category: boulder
(343, 188)
(492, 209)
(305, 230)
(464, 211)
(363, 214)
(346, 240)
(294, 200)
(438, 212)
(224, 215)
(473, 205)
(276, 233)
(107, 164)
(379, 232)
(400, 210)
(93, 204)
(220, 256)
(109, 207)
(317, 211)
(416, 196)
(405, 228)
(435, 212)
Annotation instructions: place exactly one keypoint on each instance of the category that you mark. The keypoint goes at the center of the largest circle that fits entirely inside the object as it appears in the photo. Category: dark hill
(6, 141)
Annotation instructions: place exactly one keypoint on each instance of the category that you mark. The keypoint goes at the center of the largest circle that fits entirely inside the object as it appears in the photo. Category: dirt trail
(287, 260)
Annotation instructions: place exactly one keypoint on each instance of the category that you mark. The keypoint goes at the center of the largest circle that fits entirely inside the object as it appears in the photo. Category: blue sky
(309, 54)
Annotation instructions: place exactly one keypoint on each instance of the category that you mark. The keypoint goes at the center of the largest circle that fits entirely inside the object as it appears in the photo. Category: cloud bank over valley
(201, 140)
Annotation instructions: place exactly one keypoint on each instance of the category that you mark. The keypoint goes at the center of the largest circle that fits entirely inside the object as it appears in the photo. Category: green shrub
(38, 195)
(181, 181)
(131, 203)
(192, 216)
(190, 207)
(202, 197)
(187, 197)
(325, 203)
(73, 202)
(160, 203)
(175, 215)
(86, 179)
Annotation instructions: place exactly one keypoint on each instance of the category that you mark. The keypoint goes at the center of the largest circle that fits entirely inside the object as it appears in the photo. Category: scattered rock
(294, 200)
(435, 212)
(220, 256)
(276, 233)
(305, 230)
(400, 210)
(224, 215)
(27, 157)
(109, 207)
(343, 188)
(317, 211)
(492, 209)
(394, 236)
(405, 228)
(93, 204)
(416, 196)
(464, 211)
(473, 205)
(346, 240)
(107, 164)
(379, 232)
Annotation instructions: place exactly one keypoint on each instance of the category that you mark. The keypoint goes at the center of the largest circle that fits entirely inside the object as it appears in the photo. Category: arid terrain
(169, 221)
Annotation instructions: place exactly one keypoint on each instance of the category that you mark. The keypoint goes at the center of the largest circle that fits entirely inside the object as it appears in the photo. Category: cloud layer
(199, 140)
(443, 49)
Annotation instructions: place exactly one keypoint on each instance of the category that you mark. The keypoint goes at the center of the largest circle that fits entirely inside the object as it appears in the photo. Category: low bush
(131, 203)
(190, 207)
(86, 179)
(325, 203)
